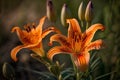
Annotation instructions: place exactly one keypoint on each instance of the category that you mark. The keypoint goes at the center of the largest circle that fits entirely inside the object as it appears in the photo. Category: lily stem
(74, 67)
(77, 76)
(88, 25)
(60, 77)
(82, 23)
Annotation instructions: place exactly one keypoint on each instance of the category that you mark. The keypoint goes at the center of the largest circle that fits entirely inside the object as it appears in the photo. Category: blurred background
(20, 12)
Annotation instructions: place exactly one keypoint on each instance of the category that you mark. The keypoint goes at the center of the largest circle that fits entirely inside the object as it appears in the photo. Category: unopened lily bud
(65, 14)
(81, 12)
(50, 11)
(8, 71)
(89, 12)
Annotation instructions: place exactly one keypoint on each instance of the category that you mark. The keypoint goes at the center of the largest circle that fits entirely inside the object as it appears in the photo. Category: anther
(33, 25)
(27, 27)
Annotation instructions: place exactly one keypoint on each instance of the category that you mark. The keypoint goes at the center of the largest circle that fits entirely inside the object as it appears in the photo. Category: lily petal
(73, 27)
(40, 25)
(20, 34)
(16, 50)
(95, 45)
(49, 30)
(89, 33)
(61, 39)
(82, 61)
(57, 50)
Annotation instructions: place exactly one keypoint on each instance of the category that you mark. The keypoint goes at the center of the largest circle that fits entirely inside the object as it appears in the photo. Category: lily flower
(31, 38)
(77, 44)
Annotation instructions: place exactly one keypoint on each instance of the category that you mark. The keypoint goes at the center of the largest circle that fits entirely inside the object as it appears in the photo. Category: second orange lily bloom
(77, 44)
(32, 38)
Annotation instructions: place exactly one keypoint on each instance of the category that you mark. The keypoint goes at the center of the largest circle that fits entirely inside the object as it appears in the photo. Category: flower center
(77, 42)
(28, 27)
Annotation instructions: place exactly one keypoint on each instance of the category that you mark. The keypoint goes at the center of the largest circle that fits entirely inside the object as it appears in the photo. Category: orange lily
(77, 44)
(31, 38)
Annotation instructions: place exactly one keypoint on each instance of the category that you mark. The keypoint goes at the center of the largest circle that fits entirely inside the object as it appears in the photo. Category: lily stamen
(33, 25)
(31, 38)
(27, 27)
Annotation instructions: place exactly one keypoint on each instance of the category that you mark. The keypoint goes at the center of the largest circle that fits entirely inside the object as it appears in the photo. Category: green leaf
(68, 76)
(92, 57)
(95, 63)
(68, 73)
(68, 70)
(46, 75)
(102, 76)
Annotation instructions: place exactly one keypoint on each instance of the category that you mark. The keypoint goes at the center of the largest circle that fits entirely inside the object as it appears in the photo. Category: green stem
(88, 25)
(77, 76)
(60, 77)
(74, 67)
(82, 23)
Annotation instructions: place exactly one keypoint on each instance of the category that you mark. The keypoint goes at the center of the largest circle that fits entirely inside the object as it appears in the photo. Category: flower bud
(65, 14)
(81, 12)
(50, 11)
(89, 12)
(8, 71)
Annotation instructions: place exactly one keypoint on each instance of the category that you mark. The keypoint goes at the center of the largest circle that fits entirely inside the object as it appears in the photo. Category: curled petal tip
(102, 28)
(14, 57)
(50, 44)
(16, 60)
(14, 29)
(43, 18)
(54, 29)
(103, 45)
(15, 51)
